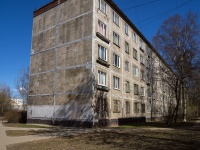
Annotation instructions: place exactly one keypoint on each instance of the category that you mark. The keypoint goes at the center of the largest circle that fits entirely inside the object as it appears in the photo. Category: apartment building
(90, 65)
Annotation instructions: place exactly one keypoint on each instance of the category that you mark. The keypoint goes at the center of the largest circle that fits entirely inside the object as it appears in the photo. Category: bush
(16, 116)
(12, 116)
(191, 112)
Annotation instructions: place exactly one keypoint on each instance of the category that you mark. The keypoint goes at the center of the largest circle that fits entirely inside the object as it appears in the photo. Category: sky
(16, 18)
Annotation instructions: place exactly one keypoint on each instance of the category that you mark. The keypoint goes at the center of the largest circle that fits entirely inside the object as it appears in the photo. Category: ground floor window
(142, 108)
(116, 104)
(127, 107)
(136, 107)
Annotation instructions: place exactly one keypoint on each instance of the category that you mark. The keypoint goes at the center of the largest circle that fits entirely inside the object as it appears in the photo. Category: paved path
(6, 140)
(54, 132)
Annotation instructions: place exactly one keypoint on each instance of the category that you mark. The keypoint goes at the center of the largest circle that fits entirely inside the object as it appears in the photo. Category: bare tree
(5, 98)
(177, 40)
(21, 84)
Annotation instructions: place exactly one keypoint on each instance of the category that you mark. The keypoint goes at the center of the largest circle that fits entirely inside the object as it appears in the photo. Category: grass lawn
(120, 139)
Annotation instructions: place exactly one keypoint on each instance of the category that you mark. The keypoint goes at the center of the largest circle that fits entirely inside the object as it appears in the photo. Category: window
(141, 45)
(135, 55)
(126, 65)
(116, 105)
(142, 91)
(136, 107)
(136, 89)
(126, 47)
(134, 37)
(142, 108)
(127, 107)
(102, 78)
(102, 6)
(148, 62)
(142, 59)
(135, 71)
(126, 28)
(142, 75)
(102, 28)
(116, 60)
(115, 38)
(127, 87)
(115, 18)
(116, 82)
(102, 53)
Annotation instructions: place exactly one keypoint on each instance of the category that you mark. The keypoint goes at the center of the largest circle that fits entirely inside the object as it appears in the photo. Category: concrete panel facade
(71, 83)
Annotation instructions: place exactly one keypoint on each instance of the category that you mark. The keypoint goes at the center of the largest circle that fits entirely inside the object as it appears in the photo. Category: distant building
(91, 66)
(17, 104)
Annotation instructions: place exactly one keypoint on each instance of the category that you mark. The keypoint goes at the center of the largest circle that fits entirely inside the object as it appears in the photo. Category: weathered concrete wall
(61, 63)
(119, 94)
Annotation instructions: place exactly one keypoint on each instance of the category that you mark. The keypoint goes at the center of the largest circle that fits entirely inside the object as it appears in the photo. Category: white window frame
(135, 37)
(116, 60)
(102, 53)
(104, 7)
(116, 83)
(102, 78)
(102, 28)
(115, 38)
(135, 71)
(115, 18)
(126, 28)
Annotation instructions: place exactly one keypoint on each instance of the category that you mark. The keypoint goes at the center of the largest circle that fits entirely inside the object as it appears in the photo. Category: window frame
(136, 107)
(127, 47)
(142, 75)
(128, 108)
(142, 59)
(126, 66)
(100, 73)
(135, 71)
(105, 52)
(136, 89)
(104, 28)
(134, 37)
(142, 91)
(143, 109)
(116, 38)
(116, 83)
(103, 9)
(116, 106)
(116, 60)
(126, 28)
(135, 54)
(127, 87)
(115, 18)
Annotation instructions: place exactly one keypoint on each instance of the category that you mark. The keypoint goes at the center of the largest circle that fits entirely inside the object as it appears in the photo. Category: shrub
(12, 116)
